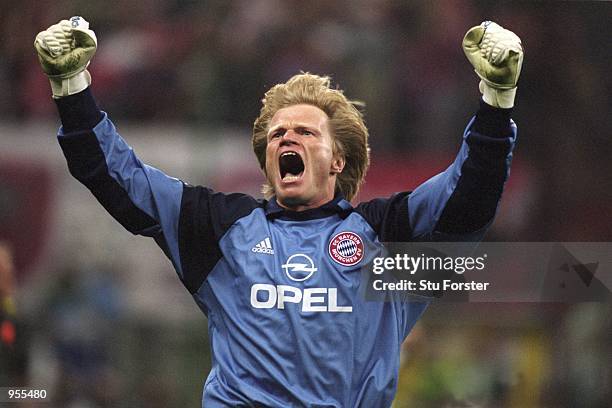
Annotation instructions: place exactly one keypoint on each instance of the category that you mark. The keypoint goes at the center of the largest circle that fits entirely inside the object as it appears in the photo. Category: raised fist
(497, 56)
(64, 51)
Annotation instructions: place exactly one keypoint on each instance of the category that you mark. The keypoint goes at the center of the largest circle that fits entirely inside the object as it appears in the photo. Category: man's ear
(337, 165)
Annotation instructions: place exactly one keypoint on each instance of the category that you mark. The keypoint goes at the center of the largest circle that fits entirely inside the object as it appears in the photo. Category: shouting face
(300, 160)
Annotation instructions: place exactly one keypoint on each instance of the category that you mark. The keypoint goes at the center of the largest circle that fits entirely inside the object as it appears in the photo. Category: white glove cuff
(498, 98)
(70, 86)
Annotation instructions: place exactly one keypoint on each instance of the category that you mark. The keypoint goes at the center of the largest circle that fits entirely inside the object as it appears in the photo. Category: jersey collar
(339, 205)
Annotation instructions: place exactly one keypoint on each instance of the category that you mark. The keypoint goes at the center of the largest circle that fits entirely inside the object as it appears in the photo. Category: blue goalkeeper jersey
(288, 324)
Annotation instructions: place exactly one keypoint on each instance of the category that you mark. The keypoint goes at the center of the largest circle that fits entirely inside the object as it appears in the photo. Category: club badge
(346, 248)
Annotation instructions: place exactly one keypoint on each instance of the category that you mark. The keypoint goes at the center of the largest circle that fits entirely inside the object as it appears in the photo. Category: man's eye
(307, 132)
(277, 134)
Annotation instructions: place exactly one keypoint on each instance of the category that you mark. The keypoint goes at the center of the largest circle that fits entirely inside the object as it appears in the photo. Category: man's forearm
(493, 122)
(460, 202)
(473, 202)
(79, 111)
(497, 56)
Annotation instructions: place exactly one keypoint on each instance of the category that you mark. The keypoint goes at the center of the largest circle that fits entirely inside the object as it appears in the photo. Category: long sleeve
(460, 203)
(186, 221)
(142, 198)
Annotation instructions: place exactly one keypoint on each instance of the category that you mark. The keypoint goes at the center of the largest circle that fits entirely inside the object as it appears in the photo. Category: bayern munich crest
(346, 248)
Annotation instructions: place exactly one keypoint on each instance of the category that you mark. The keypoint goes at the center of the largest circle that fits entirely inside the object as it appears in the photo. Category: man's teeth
(288, 154)
(290, 177)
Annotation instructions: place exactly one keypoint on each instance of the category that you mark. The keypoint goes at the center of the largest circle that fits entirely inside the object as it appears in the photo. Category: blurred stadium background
(101, 319)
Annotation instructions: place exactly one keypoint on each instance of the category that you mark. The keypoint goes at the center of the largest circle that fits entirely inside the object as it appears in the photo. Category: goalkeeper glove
(497, 56)
(64, 51)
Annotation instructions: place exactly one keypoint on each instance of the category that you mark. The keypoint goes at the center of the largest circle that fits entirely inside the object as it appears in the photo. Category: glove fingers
(495, 53)
(61, 29)
(57, 44)
(64, 51)
(501, 57)
(40, 48)
(56, 39)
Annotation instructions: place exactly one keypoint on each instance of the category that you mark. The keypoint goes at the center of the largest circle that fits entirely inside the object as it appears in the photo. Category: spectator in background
(13, 359)
(82, 311)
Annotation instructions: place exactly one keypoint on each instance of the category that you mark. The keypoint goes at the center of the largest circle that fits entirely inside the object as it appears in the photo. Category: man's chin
(292, 197)
(291, 201)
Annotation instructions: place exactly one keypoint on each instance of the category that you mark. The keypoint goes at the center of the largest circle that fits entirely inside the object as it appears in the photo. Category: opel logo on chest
(299, 267)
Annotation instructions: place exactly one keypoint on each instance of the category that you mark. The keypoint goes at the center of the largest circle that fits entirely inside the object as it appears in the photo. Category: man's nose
(288, 138)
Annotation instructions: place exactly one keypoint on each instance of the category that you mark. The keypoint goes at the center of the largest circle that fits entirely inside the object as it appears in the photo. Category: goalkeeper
(279, 278)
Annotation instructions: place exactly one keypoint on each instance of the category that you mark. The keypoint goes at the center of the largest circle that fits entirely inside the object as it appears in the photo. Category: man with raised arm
(279, 278)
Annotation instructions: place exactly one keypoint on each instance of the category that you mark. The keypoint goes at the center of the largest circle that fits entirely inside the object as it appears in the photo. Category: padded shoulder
(388, 217)
(205, 217)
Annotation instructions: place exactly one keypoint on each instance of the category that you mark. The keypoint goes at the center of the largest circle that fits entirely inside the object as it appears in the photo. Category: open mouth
(291, 166)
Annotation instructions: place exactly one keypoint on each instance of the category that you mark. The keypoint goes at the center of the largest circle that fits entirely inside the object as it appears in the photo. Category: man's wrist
(79, 111)
(492, 121)
(498, 98)
(70, 86)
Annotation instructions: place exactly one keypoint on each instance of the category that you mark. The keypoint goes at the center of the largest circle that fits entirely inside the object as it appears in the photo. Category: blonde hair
(346, 124)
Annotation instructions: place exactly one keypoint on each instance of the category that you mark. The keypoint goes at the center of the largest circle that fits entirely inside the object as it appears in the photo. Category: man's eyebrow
(309, 127)
(275, 128)
(294, 126)
(305, 126)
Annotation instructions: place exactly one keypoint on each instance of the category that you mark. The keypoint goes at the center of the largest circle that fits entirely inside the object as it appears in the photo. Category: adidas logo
(264, 247)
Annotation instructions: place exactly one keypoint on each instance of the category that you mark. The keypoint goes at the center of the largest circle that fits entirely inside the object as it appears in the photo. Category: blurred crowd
(194, 63)
(208, 63)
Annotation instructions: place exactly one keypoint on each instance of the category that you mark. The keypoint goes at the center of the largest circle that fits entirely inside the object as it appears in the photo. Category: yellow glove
(64, 51)
(497, 56)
